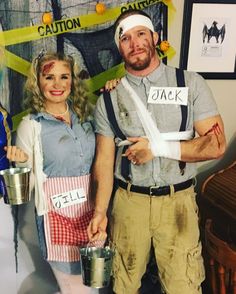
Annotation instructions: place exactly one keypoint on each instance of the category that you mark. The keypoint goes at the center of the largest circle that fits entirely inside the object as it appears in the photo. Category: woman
(57, 141)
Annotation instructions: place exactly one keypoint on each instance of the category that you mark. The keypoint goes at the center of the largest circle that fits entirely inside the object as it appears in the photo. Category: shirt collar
(47, 116)
(152, 77)
(44, 115)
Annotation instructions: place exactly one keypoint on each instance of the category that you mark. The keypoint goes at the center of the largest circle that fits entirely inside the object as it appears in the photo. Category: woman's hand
(110, 85)
(16, 154)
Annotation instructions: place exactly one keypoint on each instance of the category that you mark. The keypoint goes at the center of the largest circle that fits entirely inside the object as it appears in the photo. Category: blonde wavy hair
(34, 99)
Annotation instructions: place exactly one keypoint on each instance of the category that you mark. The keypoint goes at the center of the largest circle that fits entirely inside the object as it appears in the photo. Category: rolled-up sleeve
(203, 100)
(102, 124)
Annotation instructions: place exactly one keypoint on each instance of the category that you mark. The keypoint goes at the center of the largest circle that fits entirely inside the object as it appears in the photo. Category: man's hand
(16, 154)
(97, 227)
(139, 152)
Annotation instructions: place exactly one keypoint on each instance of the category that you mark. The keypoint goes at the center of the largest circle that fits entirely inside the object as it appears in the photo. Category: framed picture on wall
(209, 38)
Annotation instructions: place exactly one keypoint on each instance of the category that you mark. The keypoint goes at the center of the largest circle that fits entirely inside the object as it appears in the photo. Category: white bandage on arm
(167, 149)
(158, 146)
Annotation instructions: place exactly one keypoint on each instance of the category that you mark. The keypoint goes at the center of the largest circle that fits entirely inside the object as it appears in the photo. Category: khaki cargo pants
(170, 223)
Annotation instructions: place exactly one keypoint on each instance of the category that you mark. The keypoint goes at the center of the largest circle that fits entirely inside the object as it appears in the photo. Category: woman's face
(55, 81)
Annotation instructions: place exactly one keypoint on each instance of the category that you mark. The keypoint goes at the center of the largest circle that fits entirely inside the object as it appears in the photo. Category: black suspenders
(125, 163)
(111, 115)
(184, 112)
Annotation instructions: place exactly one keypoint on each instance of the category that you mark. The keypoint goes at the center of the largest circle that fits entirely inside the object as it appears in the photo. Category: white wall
(224, 92)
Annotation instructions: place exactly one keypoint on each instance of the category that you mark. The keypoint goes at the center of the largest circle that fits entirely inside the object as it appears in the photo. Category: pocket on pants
(195, 267)
(194, 203)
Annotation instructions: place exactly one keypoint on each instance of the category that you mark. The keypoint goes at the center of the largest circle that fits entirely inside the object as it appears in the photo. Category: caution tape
(36, 32)
(70, 24)
(41, 31)
(62, 26)
(16, 119)
(17, 63)
(171, 10)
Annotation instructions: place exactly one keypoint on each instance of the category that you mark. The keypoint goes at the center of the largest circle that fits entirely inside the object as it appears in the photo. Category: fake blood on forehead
(47, 67)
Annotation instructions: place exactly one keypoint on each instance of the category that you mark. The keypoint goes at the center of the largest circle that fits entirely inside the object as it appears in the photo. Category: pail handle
(3, 157)
(107, 243)
(10, 162)
(16, 186)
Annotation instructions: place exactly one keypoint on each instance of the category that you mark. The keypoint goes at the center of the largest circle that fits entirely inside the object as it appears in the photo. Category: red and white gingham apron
(66, 228)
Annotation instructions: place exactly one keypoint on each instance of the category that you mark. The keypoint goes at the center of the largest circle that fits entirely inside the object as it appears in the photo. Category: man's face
(137, 47)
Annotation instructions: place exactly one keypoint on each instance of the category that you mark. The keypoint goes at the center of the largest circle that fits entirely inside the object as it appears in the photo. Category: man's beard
(139, 64)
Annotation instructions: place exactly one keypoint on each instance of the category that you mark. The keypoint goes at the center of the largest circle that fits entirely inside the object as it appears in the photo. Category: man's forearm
(103, 181)
(103, 172)
(203, 148)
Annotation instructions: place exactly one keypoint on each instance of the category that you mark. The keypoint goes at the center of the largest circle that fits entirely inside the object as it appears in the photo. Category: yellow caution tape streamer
(171, 10)
(36, 32)
(70, 24)
(17, 63)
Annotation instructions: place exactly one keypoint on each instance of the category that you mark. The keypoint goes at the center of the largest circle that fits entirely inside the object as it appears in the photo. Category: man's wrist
(99, 210)
(170, 150)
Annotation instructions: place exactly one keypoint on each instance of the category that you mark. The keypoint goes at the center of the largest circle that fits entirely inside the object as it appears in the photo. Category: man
(154, 204)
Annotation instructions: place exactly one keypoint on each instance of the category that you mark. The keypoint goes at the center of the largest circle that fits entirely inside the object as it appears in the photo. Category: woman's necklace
(59, 114)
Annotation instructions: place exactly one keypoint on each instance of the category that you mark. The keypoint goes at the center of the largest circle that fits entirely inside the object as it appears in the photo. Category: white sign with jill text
(69, 198)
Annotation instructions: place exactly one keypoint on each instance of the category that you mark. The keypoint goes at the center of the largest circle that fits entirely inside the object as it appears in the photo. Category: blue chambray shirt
(67, 150)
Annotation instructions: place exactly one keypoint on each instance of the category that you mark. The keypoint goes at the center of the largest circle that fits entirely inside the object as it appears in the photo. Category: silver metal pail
(96, 264)
(15, 185)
